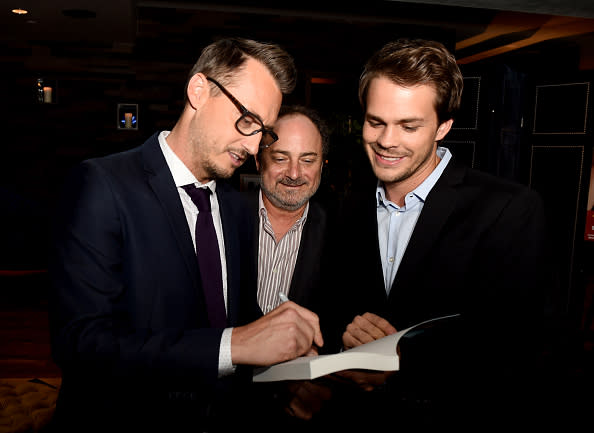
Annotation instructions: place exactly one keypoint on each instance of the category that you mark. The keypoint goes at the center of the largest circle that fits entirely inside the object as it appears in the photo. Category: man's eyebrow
(373, 117)
(282, 152)
(400, 121)
(411, 120)
(257, 116)
(287, 153)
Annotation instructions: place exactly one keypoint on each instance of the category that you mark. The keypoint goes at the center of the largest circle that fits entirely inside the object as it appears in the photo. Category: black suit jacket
(479, 249)
(129, 321)
(307, 275)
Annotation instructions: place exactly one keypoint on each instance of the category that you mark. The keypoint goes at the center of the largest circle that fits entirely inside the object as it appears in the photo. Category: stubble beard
(202, 152)
(388, 176)
(289, 200)
(215, 172)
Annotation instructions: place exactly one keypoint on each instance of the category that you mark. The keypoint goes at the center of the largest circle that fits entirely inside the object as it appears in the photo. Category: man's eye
(410, 128)
(249, 122)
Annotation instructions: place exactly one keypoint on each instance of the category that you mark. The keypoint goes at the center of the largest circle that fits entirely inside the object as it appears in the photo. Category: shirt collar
(180, 172)
(421, 191)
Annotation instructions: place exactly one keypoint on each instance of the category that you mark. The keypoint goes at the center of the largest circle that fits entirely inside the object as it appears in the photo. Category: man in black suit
(291, 229)
(291, 226)
(130, 326)
(428, 237)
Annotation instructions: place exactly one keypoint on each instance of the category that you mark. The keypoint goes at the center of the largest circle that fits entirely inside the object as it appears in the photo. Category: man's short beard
(215, 173)
(280, 203)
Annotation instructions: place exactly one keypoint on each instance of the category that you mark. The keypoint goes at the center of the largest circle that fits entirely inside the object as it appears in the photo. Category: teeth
(387, 158)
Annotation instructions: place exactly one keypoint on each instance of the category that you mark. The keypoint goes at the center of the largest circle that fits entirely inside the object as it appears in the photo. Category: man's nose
(388, 137)
(252, 144)
(294, 169)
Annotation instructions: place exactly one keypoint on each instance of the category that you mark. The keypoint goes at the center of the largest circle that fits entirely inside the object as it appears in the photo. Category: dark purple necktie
(209, 259)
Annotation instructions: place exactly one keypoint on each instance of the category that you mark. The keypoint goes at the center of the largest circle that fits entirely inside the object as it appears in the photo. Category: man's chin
(223, 172)
(388, 175)
(292, 205)
(282, 202)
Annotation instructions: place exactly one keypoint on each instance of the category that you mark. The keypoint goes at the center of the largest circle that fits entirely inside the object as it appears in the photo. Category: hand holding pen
(284, 333)
(314, 348)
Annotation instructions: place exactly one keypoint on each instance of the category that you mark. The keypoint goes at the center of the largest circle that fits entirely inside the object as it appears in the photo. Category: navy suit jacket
(128, 317)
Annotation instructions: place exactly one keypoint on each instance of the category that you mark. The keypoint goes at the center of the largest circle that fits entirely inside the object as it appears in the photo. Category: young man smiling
(430, 237)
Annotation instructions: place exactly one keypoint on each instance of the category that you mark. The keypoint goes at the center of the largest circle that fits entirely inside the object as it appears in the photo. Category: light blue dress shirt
(396, 223)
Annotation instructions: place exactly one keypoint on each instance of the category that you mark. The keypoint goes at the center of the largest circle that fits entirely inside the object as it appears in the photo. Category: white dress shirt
(183, 176)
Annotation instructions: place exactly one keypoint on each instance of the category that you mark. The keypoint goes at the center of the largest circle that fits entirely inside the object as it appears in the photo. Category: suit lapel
(161, 181)
(440, 203)
(231, 235)
(366, 233)
(253, 200)
(309, 255)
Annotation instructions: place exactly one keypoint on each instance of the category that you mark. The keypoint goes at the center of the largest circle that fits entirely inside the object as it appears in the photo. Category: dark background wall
(526, 113)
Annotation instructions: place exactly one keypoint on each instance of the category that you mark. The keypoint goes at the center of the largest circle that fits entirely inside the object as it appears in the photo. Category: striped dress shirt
(276, 260)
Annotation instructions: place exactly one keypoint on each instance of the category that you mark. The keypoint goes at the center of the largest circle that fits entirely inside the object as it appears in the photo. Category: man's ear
(443, 129)
(198, 90)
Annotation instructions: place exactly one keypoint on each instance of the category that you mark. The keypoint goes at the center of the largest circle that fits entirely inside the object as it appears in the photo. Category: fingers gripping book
(379, 355)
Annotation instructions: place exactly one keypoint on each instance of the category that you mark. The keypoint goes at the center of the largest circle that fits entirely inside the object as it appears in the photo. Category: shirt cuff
(226, 366)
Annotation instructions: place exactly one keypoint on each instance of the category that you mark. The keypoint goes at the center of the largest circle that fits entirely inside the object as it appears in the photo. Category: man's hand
(306, 398)
(364, 379)
(366, 328)
(285, 333)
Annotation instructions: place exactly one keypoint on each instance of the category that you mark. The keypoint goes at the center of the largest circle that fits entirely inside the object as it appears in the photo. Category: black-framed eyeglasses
(248, 123)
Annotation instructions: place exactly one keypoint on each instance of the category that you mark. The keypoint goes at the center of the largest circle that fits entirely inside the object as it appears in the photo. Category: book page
(380, 355)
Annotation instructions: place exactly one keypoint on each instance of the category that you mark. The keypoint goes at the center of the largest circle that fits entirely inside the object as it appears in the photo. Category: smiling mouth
(388, 159)
(383, 158)
(237, 157)
(292, 184)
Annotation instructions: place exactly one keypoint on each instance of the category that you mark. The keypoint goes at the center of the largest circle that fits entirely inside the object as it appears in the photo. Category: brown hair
(222, 59)
(410, 62)
(316, 119)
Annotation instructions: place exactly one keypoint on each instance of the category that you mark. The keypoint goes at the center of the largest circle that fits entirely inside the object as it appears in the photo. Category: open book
(380, 355)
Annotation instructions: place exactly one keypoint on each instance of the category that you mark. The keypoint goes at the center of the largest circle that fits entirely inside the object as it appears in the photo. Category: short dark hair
(316, 119)
(409, 62)
(223, 58)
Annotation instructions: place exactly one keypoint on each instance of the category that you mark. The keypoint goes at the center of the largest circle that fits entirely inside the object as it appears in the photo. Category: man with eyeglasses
(133, 320)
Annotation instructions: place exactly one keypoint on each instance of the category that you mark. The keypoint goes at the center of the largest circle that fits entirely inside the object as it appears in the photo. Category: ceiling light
(20, 11)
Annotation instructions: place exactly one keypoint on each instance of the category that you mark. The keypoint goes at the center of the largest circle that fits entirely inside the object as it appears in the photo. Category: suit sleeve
(515, 269)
